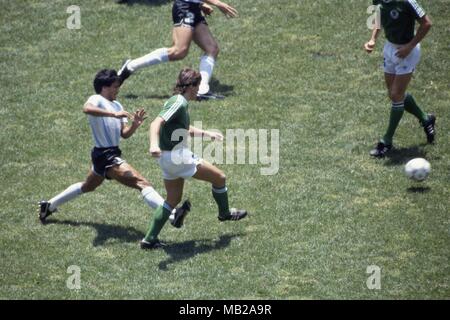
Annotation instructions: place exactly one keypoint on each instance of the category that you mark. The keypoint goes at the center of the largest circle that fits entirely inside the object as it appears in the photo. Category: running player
(401, 55)
(188, 25)
(168, 135)
(108, 121)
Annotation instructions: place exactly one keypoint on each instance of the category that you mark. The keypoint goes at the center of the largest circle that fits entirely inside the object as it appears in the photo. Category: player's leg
(174, 190)
(394, 84)
(182, 37)
(130, 177)
(408, 65)
(397, 96)
(210, 173)
(92, 181)
(205, 40)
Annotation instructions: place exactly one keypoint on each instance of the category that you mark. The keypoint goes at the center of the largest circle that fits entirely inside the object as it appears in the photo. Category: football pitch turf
(322, 227)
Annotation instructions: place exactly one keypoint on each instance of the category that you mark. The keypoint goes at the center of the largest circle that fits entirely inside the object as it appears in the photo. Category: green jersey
(398, 19)
(176, 126)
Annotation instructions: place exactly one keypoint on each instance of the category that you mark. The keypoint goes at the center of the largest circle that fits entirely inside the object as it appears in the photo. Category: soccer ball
(418, 169)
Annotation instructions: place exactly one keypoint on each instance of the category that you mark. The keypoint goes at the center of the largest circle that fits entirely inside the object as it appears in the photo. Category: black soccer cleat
(180, 214)
(234, 215)
(124, 73)
(156, 244)
(44, 210)
(209, 96)
(429, 128)
(380, 150)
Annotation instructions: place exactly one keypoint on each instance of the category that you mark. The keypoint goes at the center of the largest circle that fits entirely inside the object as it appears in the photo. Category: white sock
(152, 198)
(70, 193)
(155, 57)
(206, 69)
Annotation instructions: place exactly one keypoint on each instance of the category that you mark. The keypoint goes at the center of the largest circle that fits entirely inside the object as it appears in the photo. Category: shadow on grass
(418, 189)
(146, 2)
(215, 86)
(400, 156)
(218, 87)
(134, 96)
(105, 231)
(188, 249)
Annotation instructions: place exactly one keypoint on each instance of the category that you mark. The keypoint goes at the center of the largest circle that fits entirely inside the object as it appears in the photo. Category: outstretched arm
(226, 9)
(196, 132)
(98, 112)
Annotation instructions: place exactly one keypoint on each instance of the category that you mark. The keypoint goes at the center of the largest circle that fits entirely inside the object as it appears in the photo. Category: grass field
(314, 227)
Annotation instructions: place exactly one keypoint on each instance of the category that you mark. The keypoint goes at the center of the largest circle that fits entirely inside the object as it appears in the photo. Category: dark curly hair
(187, 77)
(104, 78)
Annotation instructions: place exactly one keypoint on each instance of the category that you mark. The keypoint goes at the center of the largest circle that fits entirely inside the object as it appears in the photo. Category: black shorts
(105, 158)
(187, 14)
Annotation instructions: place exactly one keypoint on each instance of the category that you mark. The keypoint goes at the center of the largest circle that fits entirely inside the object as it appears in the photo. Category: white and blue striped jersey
(105, 130)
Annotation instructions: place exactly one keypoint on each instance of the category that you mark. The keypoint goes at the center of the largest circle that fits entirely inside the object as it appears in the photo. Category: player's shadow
(105, 231)
(402, 155)
(145, 2)
(188, 249)
(221, 88)
(132, 96)
(417, 189)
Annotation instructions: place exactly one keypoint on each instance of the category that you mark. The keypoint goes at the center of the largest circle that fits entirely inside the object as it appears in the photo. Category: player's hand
(404, 51)
(227, 10)
(122, 114)
(155, 151)
(139, 116)
(214, 135)
(369, 46)
(206, 9)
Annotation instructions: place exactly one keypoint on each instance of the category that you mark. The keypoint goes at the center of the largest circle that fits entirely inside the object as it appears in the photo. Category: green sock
(221, 197)
(394, 119)
(412, 107)
(159, 219)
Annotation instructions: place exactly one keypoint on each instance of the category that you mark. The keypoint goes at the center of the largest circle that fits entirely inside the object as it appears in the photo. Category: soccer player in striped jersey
(188, 25)
(401, 55)
(108, 122)
(168, 136)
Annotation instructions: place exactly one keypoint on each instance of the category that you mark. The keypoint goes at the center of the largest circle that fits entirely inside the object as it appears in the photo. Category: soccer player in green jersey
(401, 55)
(168, 136)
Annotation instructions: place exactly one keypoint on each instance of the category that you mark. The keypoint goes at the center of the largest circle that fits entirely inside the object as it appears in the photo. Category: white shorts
(178, 163)
(396, 65)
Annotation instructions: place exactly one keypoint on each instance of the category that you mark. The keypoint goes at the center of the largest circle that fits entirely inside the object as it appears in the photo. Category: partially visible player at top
(168, 135)
(401, 55)
(189, 25)
(108, 122)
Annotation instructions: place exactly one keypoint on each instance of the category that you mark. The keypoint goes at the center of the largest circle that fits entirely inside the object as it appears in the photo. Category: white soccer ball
(418, 169)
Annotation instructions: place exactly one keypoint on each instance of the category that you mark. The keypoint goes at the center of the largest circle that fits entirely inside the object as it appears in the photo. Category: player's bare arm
(206, 9)
(196, 132)
(424, 27)
(98, 112)
(369, 46)
(155, 126)
(226, 9)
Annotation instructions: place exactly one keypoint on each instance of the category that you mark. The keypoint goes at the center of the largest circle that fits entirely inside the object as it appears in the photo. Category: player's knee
(88, 187)
(396, 96)
(142, 183)
(178, 54)
(221, 179)
(213, 50)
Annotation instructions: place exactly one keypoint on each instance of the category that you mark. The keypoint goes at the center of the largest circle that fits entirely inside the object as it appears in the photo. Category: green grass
(314, 228)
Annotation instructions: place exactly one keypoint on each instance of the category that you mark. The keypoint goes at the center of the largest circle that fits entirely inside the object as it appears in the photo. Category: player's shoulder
(177, 100)
(95, 99)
